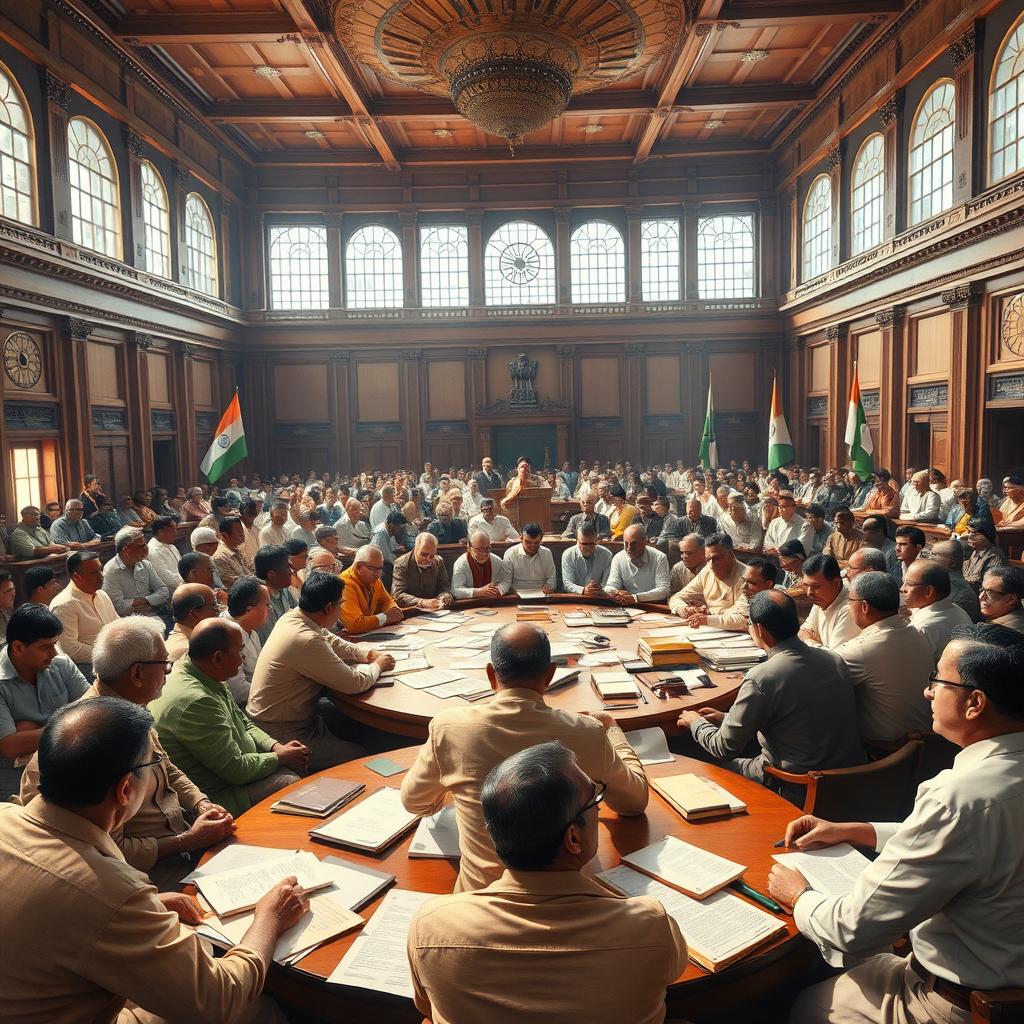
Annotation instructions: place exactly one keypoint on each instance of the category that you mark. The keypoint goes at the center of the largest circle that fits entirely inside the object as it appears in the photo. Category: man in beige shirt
(464, 744)
(714, 597)
(230, 558)
(845, 539)
(300, 658)
(589, 955)
(192, 602)
(82, 607)
(89, 938)
(130, 661)
(692, 559)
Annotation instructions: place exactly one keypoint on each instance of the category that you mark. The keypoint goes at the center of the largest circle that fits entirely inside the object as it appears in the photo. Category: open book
(234, 892)
(371, 825)
(689, 869)
(832, 871)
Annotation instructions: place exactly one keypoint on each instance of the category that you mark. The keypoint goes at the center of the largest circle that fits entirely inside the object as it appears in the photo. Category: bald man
(192, 602)
(366, 604)
(420, 578)
(921, 504)
(465, 743)
(950, 554)
(639, 572)
(928, 593)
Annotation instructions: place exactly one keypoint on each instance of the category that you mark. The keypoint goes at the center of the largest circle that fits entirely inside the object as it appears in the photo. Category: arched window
(725, 257)
(444, 265)
(1006, 107)
(17, 153)
(298, 267)
(519, 266)
(659, 259)
(931, 153)
(156, 224)
(95, 195)
(818, 227)
(200, 246)
(373, 269)
(597, 260)
(868, 187)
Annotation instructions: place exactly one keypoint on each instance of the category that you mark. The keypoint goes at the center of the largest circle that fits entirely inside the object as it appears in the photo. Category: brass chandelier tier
(509, 67)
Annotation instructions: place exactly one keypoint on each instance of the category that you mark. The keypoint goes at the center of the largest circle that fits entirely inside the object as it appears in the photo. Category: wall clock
(23, 361)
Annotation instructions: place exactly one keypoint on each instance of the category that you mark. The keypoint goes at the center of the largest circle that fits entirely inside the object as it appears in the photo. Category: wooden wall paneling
(477, 392)
(412, 387)
(663, 385)
(55, 137)
(134, 250)
(965, 160)
(930, 354)
(633, 400)
(735, 379)
(75, 412)
(140, 431)
(341, 410)
(378, 395)
(694, 381)
(894, 198)
(793, 211)
(768, 248)
(966, 383)
(446, 389)
(840, 206)
(600, 387)
(185, 419)
(840, 369)
(867, 350)
(301, 392)
(254, 274)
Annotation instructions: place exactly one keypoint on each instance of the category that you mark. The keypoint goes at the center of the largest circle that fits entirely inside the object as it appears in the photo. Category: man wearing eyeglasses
(928, 593)
(366, 603)
(589, 955)
(952, 874)
(192, 602)
(176, 818)
(1002, 591)
(466, 742)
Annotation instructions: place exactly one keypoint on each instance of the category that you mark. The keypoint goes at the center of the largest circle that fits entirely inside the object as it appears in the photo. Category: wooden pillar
(966, 381)
(183, 183)
(966, 169)
(58, 99)
(632, 402)
(695, 391)
(767, 236)
(480, 433)
(135, 225)
(793, 197)
(254, 287)
(563, 265)
(835, 174)
(838, 336)
(634, 219)
(474, 224)
(691, 215)
(889, 451)
(410, 260)
(796, 391)
(894, 190)
(184, 400)
(335, 270)
(140, 428)
(410, 385)
(222, 214)
(340, 410)
(75, 406)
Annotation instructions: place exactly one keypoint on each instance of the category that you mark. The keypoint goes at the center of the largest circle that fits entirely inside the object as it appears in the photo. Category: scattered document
(233, 892)
(486, 627)
(718, 931)
(437, 835)
(440, 625)
(531, 595)
(833, 871)
(468, 688)
(473, 663)
(237, 855)
(404, 643)
(431, 677)
(685, 867)
(412, 663)
(596, 658)
(353, 883)
(371, 824)
(650, 746)
(378, 958)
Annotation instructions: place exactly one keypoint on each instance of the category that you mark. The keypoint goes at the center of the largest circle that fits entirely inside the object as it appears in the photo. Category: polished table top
(407, 711)
(746, 838)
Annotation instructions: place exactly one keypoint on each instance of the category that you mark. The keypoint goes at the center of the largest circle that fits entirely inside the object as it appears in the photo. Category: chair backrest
(936, 756)
(876, 791)
(1002, 1006)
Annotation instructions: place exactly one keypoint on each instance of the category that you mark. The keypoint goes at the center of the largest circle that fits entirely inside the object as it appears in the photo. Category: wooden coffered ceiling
(269, 74)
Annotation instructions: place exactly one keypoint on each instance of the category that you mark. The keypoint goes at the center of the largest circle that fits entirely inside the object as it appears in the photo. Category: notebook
(371, 825)
(320, 798)
(616, 685)
(234, 892)
(685, 867)
(696, 798)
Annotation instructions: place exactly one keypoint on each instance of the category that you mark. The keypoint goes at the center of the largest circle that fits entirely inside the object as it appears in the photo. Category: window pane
(155, 221)
(659, 260)
(26, 477)
(931, 154)
(1006, 109)
(200, 246)
(817, 246)
(95, 210)
(373, 269)
(598, 263)
(868, 195)
(725, 257)
(298, 267)
(16, 174)
(444, 265)
(519, 266)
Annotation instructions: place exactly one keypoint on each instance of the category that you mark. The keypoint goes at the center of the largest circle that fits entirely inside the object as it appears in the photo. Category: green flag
(708, 442)
(858, 433)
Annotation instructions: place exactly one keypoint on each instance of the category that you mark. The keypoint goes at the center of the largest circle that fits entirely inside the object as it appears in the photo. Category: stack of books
(371, 825)
(666, 651)
(605, 617)
(696, 798)
(732, 657)
(318, 799)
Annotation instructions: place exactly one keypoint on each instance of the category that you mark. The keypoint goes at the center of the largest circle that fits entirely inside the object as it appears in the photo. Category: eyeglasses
(600, 788)
(989, 592)
(168, 665)
(934, 680)
(148, 764)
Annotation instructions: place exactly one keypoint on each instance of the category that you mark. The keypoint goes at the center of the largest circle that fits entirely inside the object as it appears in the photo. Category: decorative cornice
(187, 351)
(566, 351)
(890, 317)
(133, 141)
(474, 218)
(833, 331)
(635, 348)
(832, 159)
(407, 218)
(476, 353)
(962, 50)
(890, 109)
(962, 295)
(78, 330)
(183, 178)
(563, 214)
(142, 341)
(339, 356)
(56, 90)
(411, 355)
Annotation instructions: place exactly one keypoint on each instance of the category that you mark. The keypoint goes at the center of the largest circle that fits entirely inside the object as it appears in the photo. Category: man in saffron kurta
(366, 604)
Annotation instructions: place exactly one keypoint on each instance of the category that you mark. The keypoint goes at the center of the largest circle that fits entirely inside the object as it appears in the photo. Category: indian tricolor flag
(780, 446)
(228, 443)
(858, 433)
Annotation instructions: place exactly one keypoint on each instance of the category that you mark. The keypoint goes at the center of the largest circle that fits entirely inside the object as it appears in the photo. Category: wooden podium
(533, 505)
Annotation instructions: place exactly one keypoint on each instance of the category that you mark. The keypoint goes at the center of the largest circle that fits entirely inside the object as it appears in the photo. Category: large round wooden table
(746, 838)
(407, 711)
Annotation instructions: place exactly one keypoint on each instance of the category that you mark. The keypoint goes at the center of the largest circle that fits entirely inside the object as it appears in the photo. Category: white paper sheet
(833, 871)
(429, 677)
(237, 855)
(437, 835)
(460, 688)
(439, 625)
(232, 891)
(650, 745)
(371, 822)
(683, 864)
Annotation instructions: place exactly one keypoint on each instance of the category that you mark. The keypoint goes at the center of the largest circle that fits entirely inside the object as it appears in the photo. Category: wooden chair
(937, 753)
(877, 791)
(1000, 1006)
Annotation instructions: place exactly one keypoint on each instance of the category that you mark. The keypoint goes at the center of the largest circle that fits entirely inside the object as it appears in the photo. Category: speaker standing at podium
(524, 478)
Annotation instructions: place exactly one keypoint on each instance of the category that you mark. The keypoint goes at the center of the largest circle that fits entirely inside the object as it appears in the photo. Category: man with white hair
(921, 504)
(381, 508)
(420, 578)
(275, 532)
(128, 578)
(479, 573)
(353, 530)
(176, 817)
(71, 529)
(205, 540)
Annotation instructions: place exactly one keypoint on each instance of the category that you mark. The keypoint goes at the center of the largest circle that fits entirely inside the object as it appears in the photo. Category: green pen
(765, 901)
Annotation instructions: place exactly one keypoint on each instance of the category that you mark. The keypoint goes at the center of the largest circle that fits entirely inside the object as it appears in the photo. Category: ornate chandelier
(510, 67)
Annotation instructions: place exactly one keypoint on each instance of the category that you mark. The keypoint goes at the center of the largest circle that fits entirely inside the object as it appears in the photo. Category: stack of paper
(696, 798)
(615, 685)
(600, 658)
(718, 931)
(378, 958)
(469, 689)
(233, 892)
(423, 680)
(688, 868)
(833, 871)
(371, 825)
(237, 855)
(437, 836)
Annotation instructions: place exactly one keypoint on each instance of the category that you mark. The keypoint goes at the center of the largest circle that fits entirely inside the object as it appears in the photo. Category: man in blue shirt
(71, 529)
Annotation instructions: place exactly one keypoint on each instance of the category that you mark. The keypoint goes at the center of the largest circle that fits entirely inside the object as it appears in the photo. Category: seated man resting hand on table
(366, 603)
(421, 579)
(586, 565)
(478, 573)
(464, 743)
(91, 939)
(952, 874)
(714, 597)
(639, 571)
(529, 565)
(589, 955)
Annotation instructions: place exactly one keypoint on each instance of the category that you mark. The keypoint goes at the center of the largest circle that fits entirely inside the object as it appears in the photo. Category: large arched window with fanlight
(1006, 107)
(931, 153)
(156, 221)
(817, 227)
(867, 189)
(373, 269)
(200, 246)
(597, 261)
(519, 266)
(95, 192)
(17, 153)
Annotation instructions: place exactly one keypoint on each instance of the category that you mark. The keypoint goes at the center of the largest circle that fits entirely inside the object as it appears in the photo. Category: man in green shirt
(208, 736)
(29, 540)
